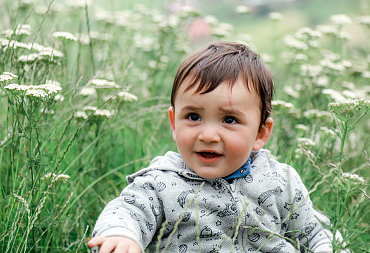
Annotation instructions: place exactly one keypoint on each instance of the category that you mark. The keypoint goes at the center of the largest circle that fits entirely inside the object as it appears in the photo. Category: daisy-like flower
(276, 16)
(242, 9)
(103, 113)
(50, 88)
(64, 35)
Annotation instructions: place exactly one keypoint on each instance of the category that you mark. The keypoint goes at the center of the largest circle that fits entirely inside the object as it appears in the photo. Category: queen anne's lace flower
(242, 9)
(36, 93)
(294, 43)
(348, 108)
(64, 35)
(306, 142)
(341, 20)
(19, 30)
(56, 177)
(276, 16)
(353, 178)
(7, 76)
(103, 84)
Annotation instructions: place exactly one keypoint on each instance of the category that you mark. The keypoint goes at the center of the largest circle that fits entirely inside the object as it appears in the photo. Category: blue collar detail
(242, 172)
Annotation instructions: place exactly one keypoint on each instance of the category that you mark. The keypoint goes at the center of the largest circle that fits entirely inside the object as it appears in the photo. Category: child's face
(215, 132)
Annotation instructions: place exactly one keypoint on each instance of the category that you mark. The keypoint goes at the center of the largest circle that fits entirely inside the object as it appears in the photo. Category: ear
(171, 116)
(263, 134)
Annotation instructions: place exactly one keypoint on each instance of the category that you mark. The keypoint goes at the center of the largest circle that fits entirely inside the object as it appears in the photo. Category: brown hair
(225, 62)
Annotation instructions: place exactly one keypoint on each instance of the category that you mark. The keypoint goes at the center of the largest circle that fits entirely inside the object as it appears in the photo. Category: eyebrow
(191, 108)
(232, 111)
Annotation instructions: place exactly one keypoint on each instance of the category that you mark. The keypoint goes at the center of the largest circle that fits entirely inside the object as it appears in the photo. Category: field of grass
(84, 92)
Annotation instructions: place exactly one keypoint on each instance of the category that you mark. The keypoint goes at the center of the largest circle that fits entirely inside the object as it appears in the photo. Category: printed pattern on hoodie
(268, 210)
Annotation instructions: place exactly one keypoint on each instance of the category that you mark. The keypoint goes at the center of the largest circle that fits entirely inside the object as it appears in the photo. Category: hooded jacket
(167, 207)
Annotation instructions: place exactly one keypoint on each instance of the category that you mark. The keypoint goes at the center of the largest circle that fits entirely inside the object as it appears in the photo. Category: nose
(209, 133)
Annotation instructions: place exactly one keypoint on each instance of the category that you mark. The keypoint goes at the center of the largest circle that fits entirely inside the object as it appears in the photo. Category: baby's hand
(116, 244)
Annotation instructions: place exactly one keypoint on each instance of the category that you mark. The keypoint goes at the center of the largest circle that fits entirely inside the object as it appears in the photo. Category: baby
(221, 192)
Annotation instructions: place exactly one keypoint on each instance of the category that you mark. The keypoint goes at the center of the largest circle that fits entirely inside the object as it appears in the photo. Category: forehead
(224, 93)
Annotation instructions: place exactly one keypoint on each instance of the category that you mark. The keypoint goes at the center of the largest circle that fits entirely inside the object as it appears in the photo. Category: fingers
(96, 241)
(124, 248)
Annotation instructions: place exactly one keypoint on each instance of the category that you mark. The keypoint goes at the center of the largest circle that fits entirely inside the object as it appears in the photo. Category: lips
(208, 156)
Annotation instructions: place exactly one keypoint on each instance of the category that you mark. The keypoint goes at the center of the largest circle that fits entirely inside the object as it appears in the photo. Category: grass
(65, 154)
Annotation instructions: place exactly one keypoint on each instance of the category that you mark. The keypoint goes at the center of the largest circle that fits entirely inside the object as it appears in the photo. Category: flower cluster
(94, 113)
(346, 109)
(242, 9)
(18, 31)
(102, 84)
(56, 177)
(7, 76)
(50, 88)
(353, 178)
(276, 16)
(64, 35)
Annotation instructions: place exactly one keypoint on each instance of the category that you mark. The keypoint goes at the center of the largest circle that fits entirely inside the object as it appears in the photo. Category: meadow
(84, 93)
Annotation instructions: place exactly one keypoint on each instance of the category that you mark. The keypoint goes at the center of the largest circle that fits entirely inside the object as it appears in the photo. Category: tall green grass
(82, 109)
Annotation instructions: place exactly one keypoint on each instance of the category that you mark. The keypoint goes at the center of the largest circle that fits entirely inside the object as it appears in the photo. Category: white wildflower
(242, 9)
(127, 96)
(366, 74)
(276, 16)
(189, 11)
(88, 91)
(294, 43)
(314, 113)
(90, 108)
(307, 33)
(222, 29)
(64, 35)
(343, 35)
(7, 76)
(306, 142)
(322, 81)
(348, 108)
(291, 92)
(12, 86)
(50, 88)
(282, 104)
(267, 58)
(19, 30)
(145, 43)
(302, 127)
(102, 83)
(55, 177)
(211, 20)
(103, 113)
(354, 178)
(364, 20)
(81, 114)
(78, 3)
(310, 70)
(38, 93)
(341, 20)
(14, 44)
(327, 131)
(29, 58)
(59, 97)
(327, 29)
(51, 53)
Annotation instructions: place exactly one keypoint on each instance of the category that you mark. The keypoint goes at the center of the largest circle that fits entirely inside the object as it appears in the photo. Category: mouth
(208, 156)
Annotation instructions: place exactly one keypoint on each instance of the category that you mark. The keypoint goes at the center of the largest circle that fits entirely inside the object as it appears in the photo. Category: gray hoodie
(167, 207)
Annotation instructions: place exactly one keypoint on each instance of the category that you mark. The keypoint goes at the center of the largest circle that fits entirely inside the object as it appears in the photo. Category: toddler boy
(221, 192)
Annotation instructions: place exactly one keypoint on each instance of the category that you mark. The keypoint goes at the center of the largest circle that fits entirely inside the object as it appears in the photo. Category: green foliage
(84, 92)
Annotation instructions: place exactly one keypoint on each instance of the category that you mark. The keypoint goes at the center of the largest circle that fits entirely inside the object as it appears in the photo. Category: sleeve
(137, 213)
(302, 222)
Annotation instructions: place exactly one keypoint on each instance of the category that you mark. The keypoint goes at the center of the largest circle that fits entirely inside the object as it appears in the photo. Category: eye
(230, 120)
(193, 117)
